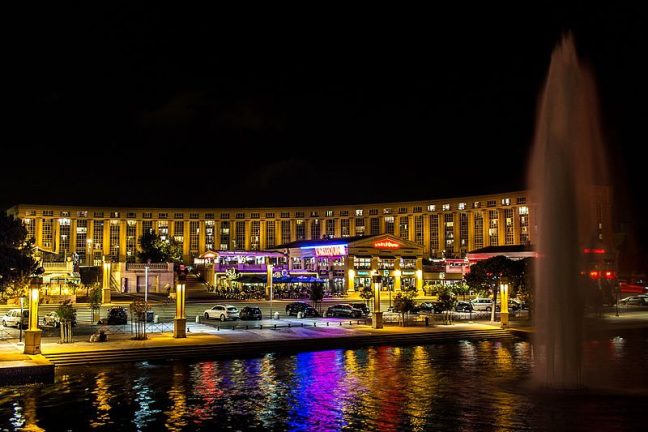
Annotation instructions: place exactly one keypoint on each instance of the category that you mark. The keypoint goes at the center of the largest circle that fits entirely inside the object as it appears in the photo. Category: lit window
(358, 212)
(431, 207)
(446, 207)
(506, 201)
(523, 210)
(461, 206)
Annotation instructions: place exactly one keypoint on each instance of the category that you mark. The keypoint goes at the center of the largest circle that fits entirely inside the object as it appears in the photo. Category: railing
(151, 267)
(56, 265)
(245, 267)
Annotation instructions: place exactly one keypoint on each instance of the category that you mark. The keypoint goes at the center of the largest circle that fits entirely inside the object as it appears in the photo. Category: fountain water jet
(566, 171)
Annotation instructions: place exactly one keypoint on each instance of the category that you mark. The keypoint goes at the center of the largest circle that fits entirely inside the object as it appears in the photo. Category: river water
(463, 386)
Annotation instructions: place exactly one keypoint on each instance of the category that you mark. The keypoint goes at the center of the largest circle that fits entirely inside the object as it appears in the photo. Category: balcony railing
(246, 267)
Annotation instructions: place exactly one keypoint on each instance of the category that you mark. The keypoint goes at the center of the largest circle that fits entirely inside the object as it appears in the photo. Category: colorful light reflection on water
(458, 386)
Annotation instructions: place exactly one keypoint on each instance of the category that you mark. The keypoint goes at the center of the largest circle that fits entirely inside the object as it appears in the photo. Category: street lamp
(269, 269)
(504, 313)
(377, 320)
(180, 321)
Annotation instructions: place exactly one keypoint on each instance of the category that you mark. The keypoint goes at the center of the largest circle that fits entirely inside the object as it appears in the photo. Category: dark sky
(186, 107)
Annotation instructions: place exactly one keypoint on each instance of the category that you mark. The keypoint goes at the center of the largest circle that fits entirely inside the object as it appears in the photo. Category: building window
(479, 231)
(194, 215)
(506, 201)
(446, 207)
(224, 235)
(131, 215)
(224, 216)
(131, 240)
(255, 234)
(362, 263)
(523, 210)
(64, 236)
(493, 228)
(431, 207)
(47, 233)
(387, 211)
(285, 232)
(417, 209)
(300, 229)
(358, 212)
(418, 229)
(114, 240)
(181, 216)
(114, 215)
(389, 224)
(163, 230)
(48, 212)
(147, 226)
(285, 214)
(403, 227)
(145, 215)
(82, 214)
(64, 214)
(463, 233)
(254, 215)
(299, 215)
(210, 234)
(477, 204)
(30, 225)
(240, 235)
(270, 234)
(508, 229)
(33, 213)
(330, 228)
(329, 213)
(344, 212)
(491, 203)
(402, 210)
(359, 226)
(194, 235)
(524, 227)
(269, 215)
(373, 212)
(449, 234)
(434, 235)
(375, 226)
(314, 214)
(461, 206)
(345, 228)
(178, 234)
(97, 234)
(521, 200)
(315, 229)
(81, 239)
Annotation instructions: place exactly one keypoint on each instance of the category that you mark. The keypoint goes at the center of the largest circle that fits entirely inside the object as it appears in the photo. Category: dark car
(363, 307)
(311, 312)
(250, 313)
(343, 310)
(117, 315)
(436, 307)
(293, 308)
(463, 306)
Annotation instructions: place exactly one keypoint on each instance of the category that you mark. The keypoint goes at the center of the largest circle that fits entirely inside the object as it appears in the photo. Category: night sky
(138, 106)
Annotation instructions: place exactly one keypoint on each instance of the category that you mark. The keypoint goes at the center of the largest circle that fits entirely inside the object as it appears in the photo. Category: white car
(222, 312)
(12, 318)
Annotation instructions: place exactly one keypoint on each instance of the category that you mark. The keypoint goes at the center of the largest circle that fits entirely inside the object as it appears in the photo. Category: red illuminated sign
(386, 244)
(593, 251)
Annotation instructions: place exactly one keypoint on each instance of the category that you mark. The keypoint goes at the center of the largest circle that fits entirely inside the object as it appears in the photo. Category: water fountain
(567, 166)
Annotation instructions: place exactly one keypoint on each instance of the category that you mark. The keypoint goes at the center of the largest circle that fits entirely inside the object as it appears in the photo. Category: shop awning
(295, 279)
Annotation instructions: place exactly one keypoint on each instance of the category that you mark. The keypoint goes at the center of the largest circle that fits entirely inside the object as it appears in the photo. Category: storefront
(347, 264)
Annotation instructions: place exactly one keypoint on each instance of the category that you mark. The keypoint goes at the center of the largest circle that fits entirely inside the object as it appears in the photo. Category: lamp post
(269, 269)
(504, 313)
(180, 321)
(33, 334)
(377, 321)
(105, 289)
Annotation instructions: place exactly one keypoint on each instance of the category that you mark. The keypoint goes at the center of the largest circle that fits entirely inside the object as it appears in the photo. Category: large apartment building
(443, 227)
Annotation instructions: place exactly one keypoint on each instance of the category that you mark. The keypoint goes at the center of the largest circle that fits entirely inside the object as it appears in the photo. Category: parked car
(483, 304)
(436, 307)
(250, 313)
(117, 316)
(311, 312)
(463, 306)
(12, 318)
(222, 312)
(344, 310)
(293, 308)
(637, 300)
(52, 319)
(362, 306)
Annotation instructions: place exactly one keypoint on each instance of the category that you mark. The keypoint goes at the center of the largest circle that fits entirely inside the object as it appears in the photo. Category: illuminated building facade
(443, 228)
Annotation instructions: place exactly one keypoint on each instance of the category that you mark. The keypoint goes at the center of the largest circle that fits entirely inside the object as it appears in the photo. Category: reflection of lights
(102, 402)
(177, 412)
(145, 398)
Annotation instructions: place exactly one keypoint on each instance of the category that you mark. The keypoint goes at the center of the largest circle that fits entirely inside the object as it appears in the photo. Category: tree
(448, 302)
(367, 294)
(95, 300)
(404, 302)
(139, 311)
(156, 250)
(17, 264)
(486, 275)
(67, 316)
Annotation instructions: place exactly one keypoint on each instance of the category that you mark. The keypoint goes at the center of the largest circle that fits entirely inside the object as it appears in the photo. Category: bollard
(427, 321)
(302, 324)
(350, 323)
(197, 318)
(340, 323)
(246, 326)
(156, 319)
(327, 324)
(288, 324)
(217, 328)
(314, 324)
(260, 326)
(276, 315)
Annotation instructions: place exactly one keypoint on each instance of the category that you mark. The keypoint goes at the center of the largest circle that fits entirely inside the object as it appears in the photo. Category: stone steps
(235, 349)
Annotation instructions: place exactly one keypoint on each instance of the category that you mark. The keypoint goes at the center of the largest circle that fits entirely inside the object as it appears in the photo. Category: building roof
(322, 242)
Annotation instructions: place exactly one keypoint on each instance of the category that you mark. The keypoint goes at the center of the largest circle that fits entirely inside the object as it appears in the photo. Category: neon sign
(386, 244)
(336, 250)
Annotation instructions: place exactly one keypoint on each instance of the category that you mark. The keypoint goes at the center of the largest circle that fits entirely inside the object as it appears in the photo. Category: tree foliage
(317, 293)
(448, 301)
(66, 311)
(367, 294)
(156, 250)
(17, 263)
(404, 302)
